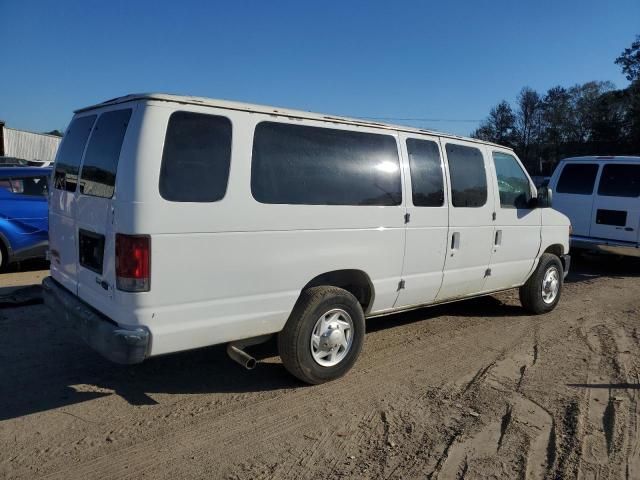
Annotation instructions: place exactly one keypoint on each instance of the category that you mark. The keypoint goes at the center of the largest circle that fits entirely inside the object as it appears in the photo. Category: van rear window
(577, 178)
(620, 180)
(196, 158)
(303, 165)
(98, 176)
(70, 154)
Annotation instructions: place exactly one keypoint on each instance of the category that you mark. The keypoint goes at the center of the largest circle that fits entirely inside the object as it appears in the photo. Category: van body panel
(229, 294)
(517, 236)
(234, 268)
(426, 237)
(471, 230)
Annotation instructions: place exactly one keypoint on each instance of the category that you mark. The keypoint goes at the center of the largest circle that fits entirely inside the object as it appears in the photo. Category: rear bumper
(606, 246)
(118, 344)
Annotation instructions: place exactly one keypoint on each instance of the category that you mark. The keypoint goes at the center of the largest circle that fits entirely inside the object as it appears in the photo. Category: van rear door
(63, 199)
(95, 210)
(616, 211)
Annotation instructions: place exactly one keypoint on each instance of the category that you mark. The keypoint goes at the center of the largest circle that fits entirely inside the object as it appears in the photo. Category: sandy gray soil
(472, 390)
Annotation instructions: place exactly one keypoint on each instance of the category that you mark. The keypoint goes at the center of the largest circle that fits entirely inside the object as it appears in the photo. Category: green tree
(499, 126)
(587, 108)
(528, 122)
(629, 61)
(556, 114)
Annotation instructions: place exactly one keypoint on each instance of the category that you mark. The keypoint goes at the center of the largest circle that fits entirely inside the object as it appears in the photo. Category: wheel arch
(556, 249)
(355, 281)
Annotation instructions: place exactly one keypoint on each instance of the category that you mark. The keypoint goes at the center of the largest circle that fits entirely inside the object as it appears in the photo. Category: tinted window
(32, 186)
(513, 183)
(70, 154)
(98, 176)
(295, 164)
(427, 184)
(468, 177)
(196, 158)
(618, 180)
(577, 178)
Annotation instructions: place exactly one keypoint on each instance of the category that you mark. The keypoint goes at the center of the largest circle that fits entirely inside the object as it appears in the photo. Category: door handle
(498, 238)
(455, 242)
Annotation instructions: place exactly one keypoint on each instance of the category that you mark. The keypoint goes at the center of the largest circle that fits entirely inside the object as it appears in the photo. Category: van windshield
(98, 176)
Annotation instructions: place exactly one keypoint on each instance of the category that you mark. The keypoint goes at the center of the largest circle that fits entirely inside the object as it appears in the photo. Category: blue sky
(402, 59)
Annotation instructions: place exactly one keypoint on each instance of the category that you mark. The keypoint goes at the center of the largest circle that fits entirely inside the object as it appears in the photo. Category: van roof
(601, 158)
(248, 107)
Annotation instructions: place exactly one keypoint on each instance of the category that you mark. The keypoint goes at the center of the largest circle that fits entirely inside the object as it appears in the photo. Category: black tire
(531, 293)
(294, 340)
(4, 257)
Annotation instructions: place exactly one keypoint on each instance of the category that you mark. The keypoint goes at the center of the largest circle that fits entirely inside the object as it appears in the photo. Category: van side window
(468, 176)
(70, 154)
(297, 164)
(427, 184)
(577, 178)
(513, 183)
(620, 180)
(196, 158)
(98, 176)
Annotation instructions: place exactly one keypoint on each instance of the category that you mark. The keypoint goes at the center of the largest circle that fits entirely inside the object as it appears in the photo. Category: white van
(181, 222)
(601, 196)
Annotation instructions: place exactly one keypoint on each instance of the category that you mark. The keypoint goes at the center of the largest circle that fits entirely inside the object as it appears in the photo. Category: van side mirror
(545, 195)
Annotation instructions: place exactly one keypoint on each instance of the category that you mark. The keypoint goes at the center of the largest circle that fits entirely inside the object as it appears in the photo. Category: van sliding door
(471, 229)
(427, 219)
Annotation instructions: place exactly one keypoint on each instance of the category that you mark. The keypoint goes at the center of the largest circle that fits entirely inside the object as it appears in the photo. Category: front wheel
(542, 291)
(4, 258)
(323, 336)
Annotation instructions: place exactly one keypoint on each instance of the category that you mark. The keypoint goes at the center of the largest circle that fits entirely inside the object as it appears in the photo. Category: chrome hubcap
(331, 337)
(550, 285)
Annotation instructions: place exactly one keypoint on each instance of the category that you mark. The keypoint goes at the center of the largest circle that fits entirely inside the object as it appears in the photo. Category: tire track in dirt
(150, 454)
(405, 390)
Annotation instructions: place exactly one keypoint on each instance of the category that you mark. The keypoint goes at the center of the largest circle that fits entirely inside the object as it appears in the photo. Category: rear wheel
(323, 336)
(542, 291)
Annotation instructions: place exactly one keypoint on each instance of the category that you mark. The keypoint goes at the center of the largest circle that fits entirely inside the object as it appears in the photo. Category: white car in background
(601, 197)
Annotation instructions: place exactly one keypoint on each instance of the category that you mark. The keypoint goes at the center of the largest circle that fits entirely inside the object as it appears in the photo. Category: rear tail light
(133, 262)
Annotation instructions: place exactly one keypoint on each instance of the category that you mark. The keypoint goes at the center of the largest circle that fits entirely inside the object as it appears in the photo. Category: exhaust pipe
(240, 356)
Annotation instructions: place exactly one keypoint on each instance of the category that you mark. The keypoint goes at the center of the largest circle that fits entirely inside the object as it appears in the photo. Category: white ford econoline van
(601, 196)
(181, 222)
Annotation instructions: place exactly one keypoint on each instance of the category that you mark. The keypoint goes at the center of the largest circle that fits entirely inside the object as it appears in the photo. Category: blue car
(24, 222)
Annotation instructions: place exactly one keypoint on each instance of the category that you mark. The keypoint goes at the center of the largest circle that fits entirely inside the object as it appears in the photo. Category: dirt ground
(471, 390)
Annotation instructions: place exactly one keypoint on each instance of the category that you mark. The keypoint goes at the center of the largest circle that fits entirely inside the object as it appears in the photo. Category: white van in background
(601, 197)
(182, 222)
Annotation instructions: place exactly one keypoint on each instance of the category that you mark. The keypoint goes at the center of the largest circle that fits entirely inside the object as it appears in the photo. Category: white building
(28, 145)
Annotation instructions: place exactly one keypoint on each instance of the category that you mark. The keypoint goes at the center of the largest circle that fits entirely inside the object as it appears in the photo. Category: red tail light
(133, 262)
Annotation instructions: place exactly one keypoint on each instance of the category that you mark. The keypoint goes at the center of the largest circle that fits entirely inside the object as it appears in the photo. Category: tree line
(594, 118)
